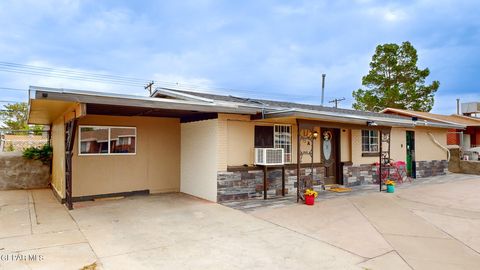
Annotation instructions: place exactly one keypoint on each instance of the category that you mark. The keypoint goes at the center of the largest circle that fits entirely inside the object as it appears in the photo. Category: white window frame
(287, 143)
(369, 140)
(108, 141)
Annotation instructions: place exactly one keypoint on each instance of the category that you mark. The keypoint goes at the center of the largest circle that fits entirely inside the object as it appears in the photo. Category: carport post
(70, 130)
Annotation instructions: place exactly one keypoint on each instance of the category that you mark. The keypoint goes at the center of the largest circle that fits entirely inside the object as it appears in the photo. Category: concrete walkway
(435, 225)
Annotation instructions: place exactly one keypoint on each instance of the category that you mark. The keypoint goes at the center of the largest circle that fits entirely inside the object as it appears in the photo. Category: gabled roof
(450, 119)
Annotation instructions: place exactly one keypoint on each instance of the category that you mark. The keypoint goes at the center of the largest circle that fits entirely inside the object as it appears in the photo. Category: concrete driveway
(432, 226)
(168, 231)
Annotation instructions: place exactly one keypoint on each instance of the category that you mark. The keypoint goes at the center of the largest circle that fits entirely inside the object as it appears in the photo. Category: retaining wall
(462, 166)
(17, 172)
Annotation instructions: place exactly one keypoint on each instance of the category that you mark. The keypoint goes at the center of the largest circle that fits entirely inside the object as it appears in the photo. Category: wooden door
(330, 144)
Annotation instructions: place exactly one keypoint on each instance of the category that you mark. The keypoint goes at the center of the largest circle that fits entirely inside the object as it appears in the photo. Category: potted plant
(390, 186)
(310, 196)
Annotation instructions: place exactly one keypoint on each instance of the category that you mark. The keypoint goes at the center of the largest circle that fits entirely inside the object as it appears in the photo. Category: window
(99, 140)
(263, 137)
(278, 136)
(283, 139)
(369, 141)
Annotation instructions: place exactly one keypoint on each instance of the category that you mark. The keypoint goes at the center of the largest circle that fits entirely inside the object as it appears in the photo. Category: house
(468, 137)
(204, 144)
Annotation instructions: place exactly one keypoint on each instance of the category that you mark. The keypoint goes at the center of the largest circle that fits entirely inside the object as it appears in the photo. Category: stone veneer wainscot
(241, 184)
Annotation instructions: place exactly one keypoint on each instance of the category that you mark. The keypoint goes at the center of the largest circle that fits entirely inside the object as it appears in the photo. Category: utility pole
(336, 101)
(149, 87)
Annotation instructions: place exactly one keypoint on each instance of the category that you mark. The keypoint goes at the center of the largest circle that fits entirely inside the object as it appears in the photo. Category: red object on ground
(309, 200)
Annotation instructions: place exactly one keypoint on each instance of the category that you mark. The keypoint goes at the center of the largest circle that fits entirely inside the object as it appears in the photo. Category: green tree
(14, 117)
(395, 81)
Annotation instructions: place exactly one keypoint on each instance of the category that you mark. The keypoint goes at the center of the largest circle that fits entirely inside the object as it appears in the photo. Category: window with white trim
(105, 140)
(370, 141)
(282, 138)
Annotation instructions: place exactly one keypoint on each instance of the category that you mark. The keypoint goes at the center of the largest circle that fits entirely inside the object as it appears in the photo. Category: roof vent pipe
(323, 86)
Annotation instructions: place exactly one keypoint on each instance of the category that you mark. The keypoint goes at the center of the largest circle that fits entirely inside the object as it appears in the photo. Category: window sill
(375, 154)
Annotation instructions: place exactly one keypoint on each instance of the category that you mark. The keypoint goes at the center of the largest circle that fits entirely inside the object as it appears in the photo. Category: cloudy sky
(265, 49)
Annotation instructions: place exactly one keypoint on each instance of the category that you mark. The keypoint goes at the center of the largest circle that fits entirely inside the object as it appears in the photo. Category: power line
(71, 72)
(79, 78)
(10, 101)
(125, 81)
(13, 89)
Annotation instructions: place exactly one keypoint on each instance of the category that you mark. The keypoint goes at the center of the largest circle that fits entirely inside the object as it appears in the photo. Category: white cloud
(389, 14)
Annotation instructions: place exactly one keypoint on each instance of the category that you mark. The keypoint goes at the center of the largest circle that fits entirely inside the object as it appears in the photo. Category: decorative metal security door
(306, 136)
(329, 142)
(384, 164)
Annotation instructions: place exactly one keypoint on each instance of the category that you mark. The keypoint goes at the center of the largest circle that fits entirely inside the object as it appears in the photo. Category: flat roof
(45, 104)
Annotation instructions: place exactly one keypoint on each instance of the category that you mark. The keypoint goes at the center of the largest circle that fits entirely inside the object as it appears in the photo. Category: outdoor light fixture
(371, 124)
(315, 134)
(414, 119)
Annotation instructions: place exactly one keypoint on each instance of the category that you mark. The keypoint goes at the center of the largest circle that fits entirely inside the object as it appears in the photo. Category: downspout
(440, 145)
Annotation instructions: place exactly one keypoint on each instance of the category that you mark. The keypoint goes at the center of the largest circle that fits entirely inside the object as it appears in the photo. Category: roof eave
(133, 101)
(356, 119)
(361, 120)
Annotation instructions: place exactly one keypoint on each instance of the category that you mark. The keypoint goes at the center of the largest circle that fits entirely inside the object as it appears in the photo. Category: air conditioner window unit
(269, 156)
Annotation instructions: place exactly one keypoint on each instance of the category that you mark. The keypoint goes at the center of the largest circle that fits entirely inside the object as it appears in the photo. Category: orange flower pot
(309, 199)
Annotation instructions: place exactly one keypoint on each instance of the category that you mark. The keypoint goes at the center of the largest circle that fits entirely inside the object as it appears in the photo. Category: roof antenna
(323, 86)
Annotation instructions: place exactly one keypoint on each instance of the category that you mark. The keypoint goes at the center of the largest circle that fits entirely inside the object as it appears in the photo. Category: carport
(151, 120)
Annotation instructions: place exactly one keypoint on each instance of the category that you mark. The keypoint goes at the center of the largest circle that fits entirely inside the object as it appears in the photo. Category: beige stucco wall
(345, 145)
(397, 147)
(398, 140)
(425, 148)
(240, 139)
(155, 166)
(58, 161)
(199, 159)
(357, 158)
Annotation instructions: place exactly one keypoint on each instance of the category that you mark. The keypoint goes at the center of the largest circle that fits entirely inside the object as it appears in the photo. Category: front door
(411, 168)
(330, 140)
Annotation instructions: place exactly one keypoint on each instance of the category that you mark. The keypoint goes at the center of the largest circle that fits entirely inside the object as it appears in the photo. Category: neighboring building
(204, 144)
(466, 138)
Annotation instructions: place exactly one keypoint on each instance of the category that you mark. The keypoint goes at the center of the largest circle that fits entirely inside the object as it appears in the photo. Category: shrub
(9, 148)
(43, 153)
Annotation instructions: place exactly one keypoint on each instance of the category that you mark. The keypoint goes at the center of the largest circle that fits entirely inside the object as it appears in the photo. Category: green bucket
(390, 188)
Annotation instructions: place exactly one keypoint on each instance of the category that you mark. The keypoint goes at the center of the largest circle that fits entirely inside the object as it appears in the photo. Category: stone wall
(355, 175)
(246, 184)
(243, 183)
(364, 174)
(16, 172)
(462, 166)
(431, 168)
